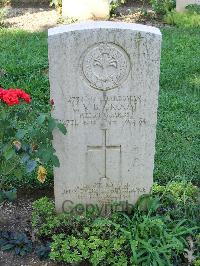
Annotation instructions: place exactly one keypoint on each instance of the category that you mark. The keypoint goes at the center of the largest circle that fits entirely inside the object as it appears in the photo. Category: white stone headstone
(181, 4)
(104, 79)
(85, 9)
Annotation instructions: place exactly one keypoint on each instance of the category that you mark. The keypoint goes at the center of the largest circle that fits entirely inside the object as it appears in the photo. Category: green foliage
(154, 239)
(101, 244)
(9, 195)
(198, 240)
(43, 251)
(190, 19)
(57, 4)
(18, 242)
(46, 222)
(2, 16)
(163, 6)
(177, 143)
(144, 237)
(177, 192)
(43, 209)
(68, 249)
(114, 4)
(193, 9)
(196, 262)
(180, 200)
(107, 244)
(25, 140)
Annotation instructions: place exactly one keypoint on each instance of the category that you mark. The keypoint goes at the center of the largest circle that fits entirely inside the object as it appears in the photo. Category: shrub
(25, 137)
(100, 244)
(154, 239)
(196, 262)
(143, 237)
(180, 192)
(187, 19)
(163, 6)
(42, 210)
(46, 222)
(68, 249)
(179, 200)
(193, 8)
(114, 4)
(21, 244)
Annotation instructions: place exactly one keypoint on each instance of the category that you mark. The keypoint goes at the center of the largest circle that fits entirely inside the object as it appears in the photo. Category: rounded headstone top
(103, 25)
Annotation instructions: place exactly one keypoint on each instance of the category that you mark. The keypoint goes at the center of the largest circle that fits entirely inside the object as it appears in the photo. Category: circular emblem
(105, 66)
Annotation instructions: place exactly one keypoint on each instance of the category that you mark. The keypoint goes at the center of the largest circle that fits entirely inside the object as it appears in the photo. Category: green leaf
(18, 173)
(46, 155)
(52, 124)
(50, 135)
(41, 119)
(9, 153)
(3, 115)
(11, 195)
(7, 247)
(55, 161)
(20, 133)
(62, 128)
(9, 131)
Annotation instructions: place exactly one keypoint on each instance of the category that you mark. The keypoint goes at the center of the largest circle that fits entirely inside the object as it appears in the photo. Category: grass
(24, 60)
(24, 64)
(177, 147)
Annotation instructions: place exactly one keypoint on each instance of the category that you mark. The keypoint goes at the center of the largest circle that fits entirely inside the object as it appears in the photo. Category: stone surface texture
(85, 9)
(181, 4)
(104, 79)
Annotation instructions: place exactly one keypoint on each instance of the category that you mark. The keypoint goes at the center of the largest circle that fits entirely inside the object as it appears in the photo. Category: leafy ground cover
(161, 229)
(24, 64)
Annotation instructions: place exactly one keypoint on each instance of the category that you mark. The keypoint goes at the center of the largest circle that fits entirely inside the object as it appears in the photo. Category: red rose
(2, 92)
(23, 95)
(11, 96)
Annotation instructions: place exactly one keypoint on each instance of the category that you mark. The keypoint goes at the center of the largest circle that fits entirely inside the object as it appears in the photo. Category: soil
(16, 216)
(41, 18)
(31, 19)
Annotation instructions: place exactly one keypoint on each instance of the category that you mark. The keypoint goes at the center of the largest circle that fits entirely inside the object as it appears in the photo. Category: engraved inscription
(105, 66)
(111, 110)
(105, 191)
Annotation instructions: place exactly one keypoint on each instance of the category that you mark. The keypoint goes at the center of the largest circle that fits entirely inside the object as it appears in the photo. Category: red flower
(12, 96)
(2, 92)
(23, 95)
(52, 102)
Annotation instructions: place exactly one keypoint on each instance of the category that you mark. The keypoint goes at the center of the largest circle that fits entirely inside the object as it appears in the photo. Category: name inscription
(108, 109)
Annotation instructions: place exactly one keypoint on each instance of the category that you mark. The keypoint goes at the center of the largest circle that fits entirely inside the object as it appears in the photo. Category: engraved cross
(104, 147)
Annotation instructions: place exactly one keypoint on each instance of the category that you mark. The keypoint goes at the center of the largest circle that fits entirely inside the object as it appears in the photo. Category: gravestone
(104, 79)
(181, 4)
(85, 9)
